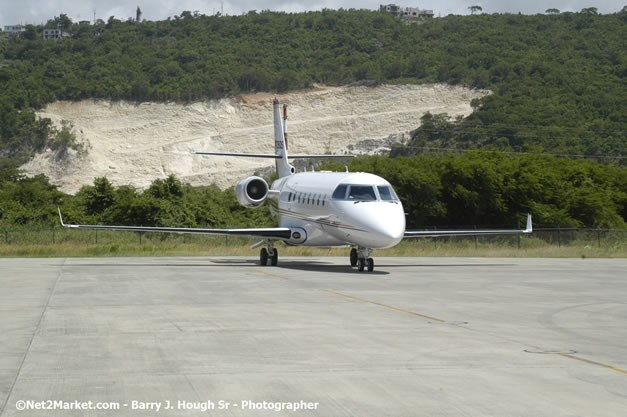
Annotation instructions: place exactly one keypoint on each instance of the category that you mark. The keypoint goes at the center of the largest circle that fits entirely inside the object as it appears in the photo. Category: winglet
(60, 217)
(529, 227)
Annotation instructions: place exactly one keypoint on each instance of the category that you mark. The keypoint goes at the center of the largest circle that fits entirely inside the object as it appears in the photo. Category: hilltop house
(405, 12)
(14, 30)
(56, 34)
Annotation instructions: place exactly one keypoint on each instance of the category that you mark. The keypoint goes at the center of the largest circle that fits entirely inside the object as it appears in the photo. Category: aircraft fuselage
(364, 214)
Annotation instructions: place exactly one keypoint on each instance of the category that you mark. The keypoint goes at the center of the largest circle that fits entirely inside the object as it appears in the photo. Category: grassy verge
(406, 248)
(55, 242)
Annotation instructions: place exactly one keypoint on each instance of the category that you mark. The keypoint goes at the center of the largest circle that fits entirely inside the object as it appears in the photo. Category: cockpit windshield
(340, 192)
(387, 193)
(361, 193)
(364, 193)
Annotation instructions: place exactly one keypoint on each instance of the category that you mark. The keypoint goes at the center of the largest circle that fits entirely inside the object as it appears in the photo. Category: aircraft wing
(266, 232)
(471, 232)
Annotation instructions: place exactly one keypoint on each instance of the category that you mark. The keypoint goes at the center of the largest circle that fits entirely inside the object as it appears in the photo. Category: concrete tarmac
(417, 337)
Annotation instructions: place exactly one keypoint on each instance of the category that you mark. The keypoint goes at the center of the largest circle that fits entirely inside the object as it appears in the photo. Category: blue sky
(39, 11)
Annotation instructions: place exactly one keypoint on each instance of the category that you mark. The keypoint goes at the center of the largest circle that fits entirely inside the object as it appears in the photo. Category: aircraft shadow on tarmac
(308, 265)
(322, 266)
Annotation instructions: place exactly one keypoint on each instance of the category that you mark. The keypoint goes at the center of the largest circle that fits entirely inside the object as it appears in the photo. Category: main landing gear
(359, 258)
(271, 254)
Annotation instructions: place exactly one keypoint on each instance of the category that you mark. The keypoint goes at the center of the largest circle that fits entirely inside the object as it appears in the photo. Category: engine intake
(252, 191)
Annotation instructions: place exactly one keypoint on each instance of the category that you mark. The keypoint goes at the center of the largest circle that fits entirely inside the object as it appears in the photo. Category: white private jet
(323, 209)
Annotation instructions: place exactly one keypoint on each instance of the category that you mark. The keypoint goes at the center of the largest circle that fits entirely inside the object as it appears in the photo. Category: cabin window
(362, 193)
(387, 193)
(340, 192)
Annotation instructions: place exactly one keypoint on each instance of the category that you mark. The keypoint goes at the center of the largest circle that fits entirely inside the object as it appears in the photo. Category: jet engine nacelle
(252, 191)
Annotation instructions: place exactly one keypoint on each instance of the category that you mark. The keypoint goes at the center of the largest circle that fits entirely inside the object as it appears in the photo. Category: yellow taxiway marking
(271, 274)
(567, 355)
(365, 300)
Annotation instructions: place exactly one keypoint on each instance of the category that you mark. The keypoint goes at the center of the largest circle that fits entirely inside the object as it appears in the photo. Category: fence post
(96, 236)
(435, 239)
(599, 236)
(476, 238)
(559, 236)
(518, 234)
(53, 234)
(6, 236)
(140, 238)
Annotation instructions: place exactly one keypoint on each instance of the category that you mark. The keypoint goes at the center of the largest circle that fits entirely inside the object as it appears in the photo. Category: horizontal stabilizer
(271, 155)
(250, 155)
(321, 156)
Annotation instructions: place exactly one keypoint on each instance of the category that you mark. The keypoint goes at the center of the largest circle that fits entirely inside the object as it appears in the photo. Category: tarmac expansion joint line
(614, 368)
(365, 300)
(35, 333)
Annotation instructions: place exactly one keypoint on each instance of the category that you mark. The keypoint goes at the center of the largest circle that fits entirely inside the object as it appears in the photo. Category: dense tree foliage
(167, 202)
(471, 188)
(558, 79)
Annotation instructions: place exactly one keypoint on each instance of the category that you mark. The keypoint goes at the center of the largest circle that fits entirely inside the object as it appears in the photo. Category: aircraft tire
(263, 257)
(370, 264)
(274, 259)
(353, 257)
(361, 265)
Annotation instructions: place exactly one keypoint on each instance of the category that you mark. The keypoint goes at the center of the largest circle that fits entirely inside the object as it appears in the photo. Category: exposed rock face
(135, 144)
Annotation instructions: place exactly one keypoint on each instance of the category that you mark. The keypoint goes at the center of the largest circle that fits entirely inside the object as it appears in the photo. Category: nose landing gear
(359, 257)
(271, 254)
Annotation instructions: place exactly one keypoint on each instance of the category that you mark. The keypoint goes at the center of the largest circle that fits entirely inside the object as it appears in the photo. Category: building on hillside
(55, 34)
(14, 30)
(405, 12)
(84, 22)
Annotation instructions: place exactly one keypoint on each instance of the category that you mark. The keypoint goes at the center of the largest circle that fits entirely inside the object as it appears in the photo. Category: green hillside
(558, 80)
(558, 85)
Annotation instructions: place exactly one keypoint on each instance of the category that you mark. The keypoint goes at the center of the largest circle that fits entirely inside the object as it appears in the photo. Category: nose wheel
(359, 258)
(271, 254)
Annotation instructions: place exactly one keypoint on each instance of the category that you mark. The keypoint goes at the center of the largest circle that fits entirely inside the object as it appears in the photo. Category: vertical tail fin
(283, 167)
(285, 124)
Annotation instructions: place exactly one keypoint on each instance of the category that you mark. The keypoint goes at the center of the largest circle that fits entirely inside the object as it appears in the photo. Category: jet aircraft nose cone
(382, 224)
(390, 228)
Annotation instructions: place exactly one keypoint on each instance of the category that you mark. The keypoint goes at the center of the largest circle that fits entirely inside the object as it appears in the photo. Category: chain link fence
(544, 236)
